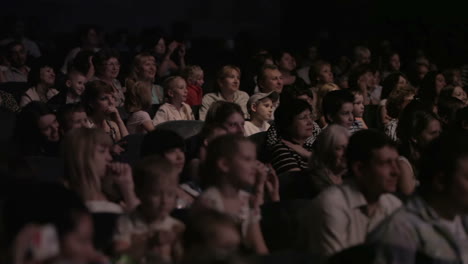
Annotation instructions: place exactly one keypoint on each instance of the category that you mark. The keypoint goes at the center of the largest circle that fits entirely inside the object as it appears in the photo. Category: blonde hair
(78, 150)
(325, 145)
(322, 91)
(224, 72)
(136, 69)
(138, 96)
(168, 84)
(153, 170)
(191, 72)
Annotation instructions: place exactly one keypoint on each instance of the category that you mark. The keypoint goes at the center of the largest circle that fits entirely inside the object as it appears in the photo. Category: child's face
(345, 116)
(76, 84)
(49, 127)
(198, 79)
(77, 120)
(326, 75)
(160, 200)
(358, 106)
(263, 109)
(178, 91)
(77, 245)
(242, 167)
(177, 158)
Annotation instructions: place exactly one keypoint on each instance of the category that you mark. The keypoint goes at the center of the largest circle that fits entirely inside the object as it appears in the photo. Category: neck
(372, 198)
(42, 88)
(228, 190)
(442, 206)
(177, 104)
(257, 122)
(229, 96)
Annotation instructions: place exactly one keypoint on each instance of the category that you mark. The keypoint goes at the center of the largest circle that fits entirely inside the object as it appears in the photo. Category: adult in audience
(270, 79)
(18, 70)
(42, 79)
(430, 89)
(396, 102)
(287, 65)
(455, 92)
(107, 67)
(337, 108)
(89, 40)
(144, 70)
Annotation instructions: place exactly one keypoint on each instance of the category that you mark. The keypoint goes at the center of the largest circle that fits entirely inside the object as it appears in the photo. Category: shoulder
(242, 95)
(210, 96)
(389, 202)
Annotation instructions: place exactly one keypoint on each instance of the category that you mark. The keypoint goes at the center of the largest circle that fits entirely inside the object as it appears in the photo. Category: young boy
(175, 109)
(337, 108)
(75, 85)
(260, 107)
(193, 75)
(358, 111)
(150, 232)
(72, 116)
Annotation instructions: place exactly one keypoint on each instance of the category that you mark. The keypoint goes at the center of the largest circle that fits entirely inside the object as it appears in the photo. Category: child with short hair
(149, 232)
(75, 86)
(358, 111)
(337, 108)
(260, 107)
(176, 91)
(72, 116)
(193, 75)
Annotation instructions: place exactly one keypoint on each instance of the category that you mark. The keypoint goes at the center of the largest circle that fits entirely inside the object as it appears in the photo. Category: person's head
(156, 181)
(393, 62)
(212, 232)
(337, 108)
(36, 125)
(176, 89)
(17, 55)
(454, 91)
(71, 116)
(98, 97)
(393, 81)
(232, 160)
(86, 153)
(228, 79)
(320, 73)
(106, 63)
(42, 72)
(362, 55)
(285, 61)
(417, 126)
(83, 62)
(228, 115)
(293, 120)
(89, 36)
(270, 79)
(453, 76)
(444, 166)
(373, 162)
(75, 82)
(144, 67)
(330, 147)
(358, 104)
(398, 100)
(296, 92)
(260, 106)
(193, 74)
(447, 110)
(322, 91)
(167, 144)
(361, 77)
(138, 96)
(431, 86)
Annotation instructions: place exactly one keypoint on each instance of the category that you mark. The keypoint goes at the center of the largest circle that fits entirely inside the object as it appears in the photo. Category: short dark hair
(364, 142)
(64, 112)
(356, 73)
(441, 156)
(334, 100)
(100, 58)
(93, 90)
(219, 111)
(285, 113)
(261, 73)
(159, 141)
(34, 75)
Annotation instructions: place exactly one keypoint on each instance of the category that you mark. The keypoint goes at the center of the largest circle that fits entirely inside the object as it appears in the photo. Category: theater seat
(185, 128)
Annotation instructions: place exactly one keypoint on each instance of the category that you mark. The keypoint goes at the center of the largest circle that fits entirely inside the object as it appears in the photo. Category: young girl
(99, 100)
(149, 232)
(42, 79)
(358, 111)
(138, 99)
(194, 77)
(320, 73)
(175, 109)
(230, 168)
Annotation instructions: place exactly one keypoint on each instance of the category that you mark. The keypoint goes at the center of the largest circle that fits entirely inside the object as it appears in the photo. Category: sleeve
(25, 99)
(161, 116)
(141, 116)
(191, 96)
(207, 101)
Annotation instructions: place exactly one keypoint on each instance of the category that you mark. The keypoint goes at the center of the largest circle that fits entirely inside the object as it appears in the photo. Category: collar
(354, 195)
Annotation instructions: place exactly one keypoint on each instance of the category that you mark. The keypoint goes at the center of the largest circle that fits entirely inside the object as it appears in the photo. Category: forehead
(148, 59)
(347, 106)
(265, 100)
(384, 153)
(272, 72)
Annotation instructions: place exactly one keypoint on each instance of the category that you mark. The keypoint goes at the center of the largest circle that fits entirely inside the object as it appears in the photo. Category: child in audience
(137, 100)
(193, 75)
(260, 108)
(72, 116)
(175, 109)
(358, 111)
(337, 108)
(149, 232)
(75, 85)
(230, 168)
(320, 73)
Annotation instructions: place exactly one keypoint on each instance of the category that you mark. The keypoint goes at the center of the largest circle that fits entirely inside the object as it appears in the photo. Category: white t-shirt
(135, 122)
(251, 129)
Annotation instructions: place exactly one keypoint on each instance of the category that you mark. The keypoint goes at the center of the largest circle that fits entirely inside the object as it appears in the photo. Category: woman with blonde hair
(137, 101)
(227, 89)
(328, 163)
(144, 70)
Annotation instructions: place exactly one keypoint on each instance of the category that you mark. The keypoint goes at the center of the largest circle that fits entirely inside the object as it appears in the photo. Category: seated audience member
(71, 116)
(431, 228)
(144, 70)
(454, 91)
(260, 108)
(391, 64)
(447, 110)
(342, 215)
(137, 102)
(337, 108)
(392, 82)
(231, 167)
(211, 235)
(107, 67)
(291, 136)
(321, 92)
(320, 73)
(37, 131)
(291, 93)
(453, 76)
(168, 144)
(149, 232)
(193, 75)
(175, 109)
(395, 103)
(269, 79)
(8, 102)
(75, 86)
(361, 79)
(358, 112)
(327, 166)
(42, 79)
(83, 63)
(287, 65)
(18, 71)
(98, 98)
(227, 89)
(89, 41)
(362, 56)
(429, 91)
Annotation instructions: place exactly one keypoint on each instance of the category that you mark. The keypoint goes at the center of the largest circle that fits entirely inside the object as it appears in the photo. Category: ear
(68, 83)
(329, 118)
(223, 165)
(253, 107)
(170, 93)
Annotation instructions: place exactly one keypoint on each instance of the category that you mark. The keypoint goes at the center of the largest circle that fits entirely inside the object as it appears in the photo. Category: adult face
(18, 56)
(103, 103)
(287, 62)
(49, 127)
(243, 165)
(440, 83)
(302, 126)
(149, 68)
(234, 124)
(395, 62)
(273, 81)
(459, 93)
(326, 74)
(47, 76)
(344, 117)
(339, 151)
(77, 120)
(431, 132)
(111, 68)
(160, 48)
(230, 83)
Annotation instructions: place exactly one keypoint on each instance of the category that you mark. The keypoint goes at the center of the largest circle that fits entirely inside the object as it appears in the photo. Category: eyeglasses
(305, 117)
(117, 65)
